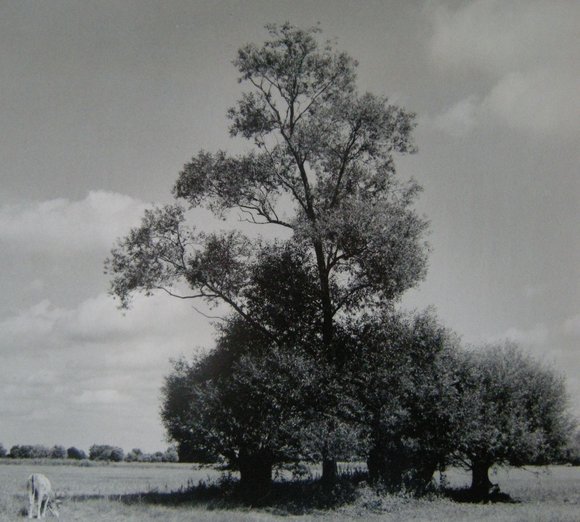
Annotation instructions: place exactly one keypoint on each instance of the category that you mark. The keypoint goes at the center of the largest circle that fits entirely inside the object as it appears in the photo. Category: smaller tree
(403, 372)
(572, 451)
(246, 409)
(15, 452)
(3, 451)
(106, 452)
(515, 412)
(135, 455)
(58, 452)
(117, 455)
(171, 455)
(75, 453)
(29, 451)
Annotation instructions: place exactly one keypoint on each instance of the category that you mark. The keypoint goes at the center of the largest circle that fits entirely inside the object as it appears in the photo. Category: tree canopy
(312, 362)
(515, 412)
(322, 168)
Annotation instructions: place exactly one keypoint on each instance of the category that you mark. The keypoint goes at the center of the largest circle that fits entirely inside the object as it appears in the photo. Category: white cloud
(87, 357)
(535, 336)
(62, 225)
(571, 326)
(526, 50)
(459, 119)
(499, 37)
(100, 397)
(531, 291)
(91, 358)
(31, 326)
(543, 101)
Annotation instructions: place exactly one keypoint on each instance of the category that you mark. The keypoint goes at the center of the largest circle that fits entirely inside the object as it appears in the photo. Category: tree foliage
(515, 412)
(58, 452)
(249, 413)
(75, 453)
(106, 452)
(30, 451)
(322, 168)
(312, 363)
(404, 373)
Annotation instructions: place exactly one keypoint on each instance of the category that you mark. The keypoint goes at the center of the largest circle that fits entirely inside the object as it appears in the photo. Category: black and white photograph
(312, 260)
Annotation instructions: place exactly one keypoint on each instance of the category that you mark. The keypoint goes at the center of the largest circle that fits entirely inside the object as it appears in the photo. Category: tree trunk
(386, 468)
(423, 478)
(480, 483)
(329, 471)
(376, 465)
(255, 475)
(329, 466)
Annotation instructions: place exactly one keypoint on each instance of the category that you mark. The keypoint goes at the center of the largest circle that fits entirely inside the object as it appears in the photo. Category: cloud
(100, 397)
(542, 101)
(96, 322)
(62, 225)
(459, 119)
(498, 37)
(69, 356)
(96, 362)
(535, 336)
(532, 291)
(571, 326)
(527, 54)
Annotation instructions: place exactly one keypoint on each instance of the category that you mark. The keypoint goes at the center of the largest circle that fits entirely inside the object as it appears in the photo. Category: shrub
(170, 455)
(135, 455)
(58, 452)
(571, 454)
(106, 452)
(28, 451)
(76, 454)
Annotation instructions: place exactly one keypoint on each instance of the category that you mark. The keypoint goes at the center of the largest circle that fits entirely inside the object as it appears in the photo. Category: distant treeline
(100, 452)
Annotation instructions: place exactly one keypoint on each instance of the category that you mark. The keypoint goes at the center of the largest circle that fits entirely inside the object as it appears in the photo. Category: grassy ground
(146, 492)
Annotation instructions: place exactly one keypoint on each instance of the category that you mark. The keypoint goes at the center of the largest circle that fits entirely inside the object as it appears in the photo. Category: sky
(101, 104)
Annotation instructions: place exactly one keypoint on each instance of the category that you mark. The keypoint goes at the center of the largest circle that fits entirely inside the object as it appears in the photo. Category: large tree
(322, 170)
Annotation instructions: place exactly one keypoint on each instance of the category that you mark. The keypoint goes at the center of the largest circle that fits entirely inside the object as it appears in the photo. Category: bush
(136, 455)
(572, 450)
(28, 451)
(106, 453)
(58, 452)
(75, 454)
(171, 455)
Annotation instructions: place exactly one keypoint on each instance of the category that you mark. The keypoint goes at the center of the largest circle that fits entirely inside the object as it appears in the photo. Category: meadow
(162, 492)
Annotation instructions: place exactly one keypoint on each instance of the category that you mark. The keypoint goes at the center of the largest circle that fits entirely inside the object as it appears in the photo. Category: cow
(40, 496)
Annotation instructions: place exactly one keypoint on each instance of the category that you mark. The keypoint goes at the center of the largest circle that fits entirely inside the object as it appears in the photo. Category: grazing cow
(40, 496)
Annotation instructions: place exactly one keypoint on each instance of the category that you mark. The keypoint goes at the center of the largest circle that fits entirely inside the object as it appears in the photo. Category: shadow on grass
(292, 497)
(466, 495)
(285, 497)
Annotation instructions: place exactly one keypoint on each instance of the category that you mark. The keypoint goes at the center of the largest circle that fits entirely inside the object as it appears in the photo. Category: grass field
(145, 492)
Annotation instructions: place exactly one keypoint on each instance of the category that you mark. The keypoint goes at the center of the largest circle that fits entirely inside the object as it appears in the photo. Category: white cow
(41, 496)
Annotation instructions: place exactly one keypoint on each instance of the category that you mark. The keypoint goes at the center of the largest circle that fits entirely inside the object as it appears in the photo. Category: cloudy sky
(101, 103)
